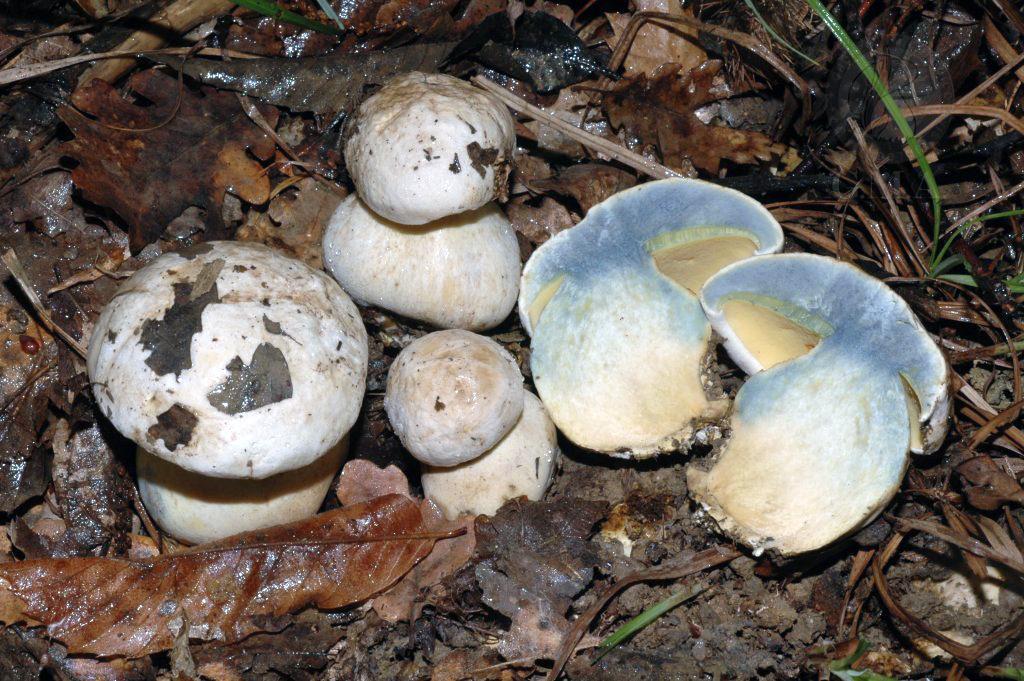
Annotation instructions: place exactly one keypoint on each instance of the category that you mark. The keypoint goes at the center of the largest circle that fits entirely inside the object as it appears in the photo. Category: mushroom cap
(230, 360)
(619, 337)
(459, 272)
(426, 146)
(847, 382)
(523, 463)
(452, 395)
(196, 508)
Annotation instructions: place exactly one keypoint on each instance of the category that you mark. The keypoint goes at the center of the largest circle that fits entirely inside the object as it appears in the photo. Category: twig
(949, 109)
(10, 259)
(19, 73)
(174, 19)
(589, 140)
(994, 201)
(702, 561)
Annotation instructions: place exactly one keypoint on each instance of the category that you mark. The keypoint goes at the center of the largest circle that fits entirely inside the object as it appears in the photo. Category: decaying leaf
(225, 590)
(534, 558)
(541, 51)
(539, 221)
(659, 111)
(588, 183)
(151, 163)
(45, 201)
(988, 486)
(323, 85)
(360, 481)
(93, 492)
(295, 653)
(657, 44)
(295, 221)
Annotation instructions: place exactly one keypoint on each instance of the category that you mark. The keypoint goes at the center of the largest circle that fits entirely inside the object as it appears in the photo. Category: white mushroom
(426, 146)
(619, 340)
(452, 395)
(198, 508)
(523, 463)
(230, 360)
(459, 272)
(847, 383)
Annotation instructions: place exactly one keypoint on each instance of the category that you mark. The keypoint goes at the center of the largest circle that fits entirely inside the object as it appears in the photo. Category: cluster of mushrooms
(239, 372)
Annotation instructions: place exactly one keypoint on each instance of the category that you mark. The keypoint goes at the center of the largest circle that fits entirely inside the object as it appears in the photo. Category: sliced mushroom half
(619, 340)
(846, 383)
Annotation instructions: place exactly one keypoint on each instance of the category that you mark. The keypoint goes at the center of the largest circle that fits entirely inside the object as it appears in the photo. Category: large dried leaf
(151, 163)
(221, 591)
(659, 111)
(323, 85)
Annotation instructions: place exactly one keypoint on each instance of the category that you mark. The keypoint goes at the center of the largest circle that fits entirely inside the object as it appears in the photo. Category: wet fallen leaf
(295, 221)
(659, 111)
(657, 44)
(534, 558)
(361, 481)
(186, 153)
(93, 492)
(539, 222)
(988, 486)
(294, 653)
(222, 591)
(312, 84)
(541, 50)
(588, 183)
(45, 201)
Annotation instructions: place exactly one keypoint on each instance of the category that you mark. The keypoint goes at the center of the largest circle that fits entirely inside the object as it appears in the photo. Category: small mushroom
(845, 383)
(619, 340)
(230, 360)
(458, 272)
(523, 463)
(197, 508)
(428, 145)
(452, 395)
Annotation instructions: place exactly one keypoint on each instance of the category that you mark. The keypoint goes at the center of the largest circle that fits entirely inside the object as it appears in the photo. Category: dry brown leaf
(588, 183)
(186, 153)
(655, 45)
(295, 221)
(659, 111)
(541, 222)
(222, 591)
(361, 481)
(989, 487)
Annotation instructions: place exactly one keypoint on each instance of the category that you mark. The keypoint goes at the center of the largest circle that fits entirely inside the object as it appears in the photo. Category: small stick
(18, 272)
(589, 140)
(994, 201)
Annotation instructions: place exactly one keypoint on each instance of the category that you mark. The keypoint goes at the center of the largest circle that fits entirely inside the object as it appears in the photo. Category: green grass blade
(643, 619)
(269, 9)
(329, 11)
(775, 36)
(894, 112)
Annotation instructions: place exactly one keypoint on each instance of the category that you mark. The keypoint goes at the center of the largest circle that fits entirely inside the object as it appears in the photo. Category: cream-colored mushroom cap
(848, 382)
(619, 340)
(230, 360)
(459, 272)
(522, 464)
(451, 395)
(426, 146)
(196, 508)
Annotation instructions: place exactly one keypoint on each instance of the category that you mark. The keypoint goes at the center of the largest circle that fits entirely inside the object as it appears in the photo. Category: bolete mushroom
(452, 395)
(457, 272)
(523, 463)
(619, 338)
(230, 360)
(426, 146)
(845, 383)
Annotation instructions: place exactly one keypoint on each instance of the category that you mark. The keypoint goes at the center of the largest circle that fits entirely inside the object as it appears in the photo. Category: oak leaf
(150, 163)
(224, 590)
(660, 111)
